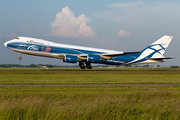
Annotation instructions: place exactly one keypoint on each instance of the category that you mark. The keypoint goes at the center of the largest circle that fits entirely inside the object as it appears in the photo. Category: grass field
(50, 103)
(95, 76)
(89, 102)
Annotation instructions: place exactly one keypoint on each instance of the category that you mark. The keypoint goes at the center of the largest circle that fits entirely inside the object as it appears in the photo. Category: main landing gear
(82, 66)
(19, 58)
(88, 65)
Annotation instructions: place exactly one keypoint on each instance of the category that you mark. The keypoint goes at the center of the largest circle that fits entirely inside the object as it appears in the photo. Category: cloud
(12, 35)
(124, 4)
(122, 33)
(142, 14)
(68, 25)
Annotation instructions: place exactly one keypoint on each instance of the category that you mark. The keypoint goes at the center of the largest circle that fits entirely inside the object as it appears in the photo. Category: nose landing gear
(19, 58)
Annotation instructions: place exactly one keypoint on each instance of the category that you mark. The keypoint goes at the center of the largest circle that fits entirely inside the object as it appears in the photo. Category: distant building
(40, 66)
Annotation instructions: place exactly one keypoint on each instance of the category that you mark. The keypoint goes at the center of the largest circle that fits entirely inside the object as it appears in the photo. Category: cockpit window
(17, 38)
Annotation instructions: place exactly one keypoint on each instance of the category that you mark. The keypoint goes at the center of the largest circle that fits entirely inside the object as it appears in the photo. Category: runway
(74, 85)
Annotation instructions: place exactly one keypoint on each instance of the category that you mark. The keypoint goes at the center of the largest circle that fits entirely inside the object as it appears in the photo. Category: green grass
(50, 103)
(95, 76)
(89, 102)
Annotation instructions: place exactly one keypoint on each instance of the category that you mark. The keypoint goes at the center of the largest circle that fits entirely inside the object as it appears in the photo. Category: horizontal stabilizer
(160, 58)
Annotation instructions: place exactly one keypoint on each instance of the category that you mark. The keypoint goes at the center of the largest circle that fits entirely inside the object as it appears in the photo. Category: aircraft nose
(5, 44)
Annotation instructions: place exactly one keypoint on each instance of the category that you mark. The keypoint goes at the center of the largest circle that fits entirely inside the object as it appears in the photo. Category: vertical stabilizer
(154, 51)
(158, 48)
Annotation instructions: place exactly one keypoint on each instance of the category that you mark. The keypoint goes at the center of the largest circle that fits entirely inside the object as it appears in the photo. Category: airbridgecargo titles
(86, 55)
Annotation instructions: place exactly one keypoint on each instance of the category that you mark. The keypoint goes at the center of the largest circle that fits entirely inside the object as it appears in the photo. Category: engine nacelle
(94, 58)
(70, 59)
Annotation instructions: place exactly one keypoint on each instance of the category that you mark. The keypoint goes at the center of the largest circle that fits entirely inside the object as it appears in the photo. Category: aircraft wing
(108, 56)
(103, 56)
(61, 56)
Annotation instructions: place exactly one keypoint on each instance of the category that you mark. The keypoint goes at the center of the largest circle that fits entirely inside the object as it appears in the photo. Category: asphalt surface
(40, 85)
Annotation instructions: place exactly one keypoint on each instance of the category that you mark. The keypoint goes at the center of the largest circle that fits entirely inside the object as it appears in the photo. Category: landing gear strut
(19, 58)
(81, 64)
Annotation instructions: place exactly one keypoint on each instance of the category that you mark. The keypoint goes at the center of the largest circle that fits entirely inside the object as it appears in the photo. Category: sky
(128, 26)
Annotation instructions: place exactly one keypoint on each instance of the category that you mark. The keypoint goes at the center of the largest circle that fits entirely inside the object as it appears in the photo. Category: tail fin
(158, 48)
(154, 52)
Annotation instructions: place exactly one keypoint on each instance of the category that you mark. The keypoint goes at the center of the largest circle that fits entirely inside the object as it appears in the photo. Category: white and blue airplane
(86, 55)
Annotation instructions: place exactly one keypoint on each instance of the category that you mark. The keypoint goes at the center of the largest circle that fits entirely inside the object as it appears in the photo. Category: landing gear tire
(82, 67)
(88, 65)
(19, 58)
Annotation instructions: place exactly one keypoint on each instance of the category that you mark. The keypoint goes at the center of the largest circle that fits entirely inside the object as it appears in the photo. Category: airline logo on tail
(155, 50)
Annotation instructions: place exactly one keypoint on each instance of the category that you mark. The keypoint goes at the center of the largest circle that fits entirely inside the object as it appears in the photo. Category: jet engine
(70, 59)
(93, 58)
